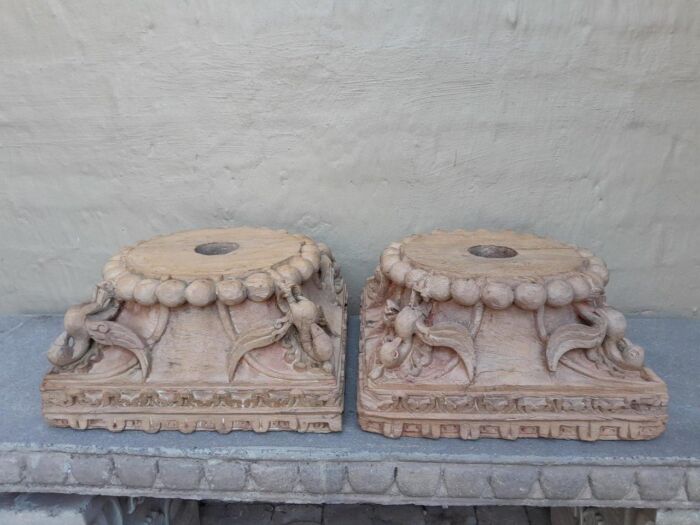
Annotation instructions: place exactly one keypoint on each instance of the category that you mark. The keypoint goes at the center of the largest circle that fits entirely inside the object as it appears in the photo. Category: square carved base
(500, 335)
(231, 329)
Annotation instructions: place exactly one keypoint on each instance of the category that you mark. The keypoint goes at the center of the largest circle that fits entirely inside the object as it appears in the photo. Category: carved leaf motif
(451, 335)
(258, 336)
(110, 333)
(573, 336)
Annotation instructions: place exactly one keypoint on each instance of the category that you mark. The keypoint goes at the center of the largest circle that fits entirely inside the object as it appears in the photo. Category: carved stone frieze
(221, 330)
(498, 334)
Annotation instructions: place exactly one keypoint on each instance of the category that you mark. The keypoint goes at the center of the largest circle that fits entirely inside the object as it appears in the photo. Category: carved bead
(290, 274)
(634, 355)
(595, 261)
(260, 286)
(113, 269)
(145, 292)
(601, 271)
(497, 296)
(200, 292)
(303, 266)
(325, 249)
(312, 254)
(388, 259)
(559, 293)
(125, 286)
(405, 323)
(617, 324)
(414, 277)
(171, 293)
(581, 288)
(465, 291)
(398, 272)
(438, 287)
(530, 296)
(231, 291)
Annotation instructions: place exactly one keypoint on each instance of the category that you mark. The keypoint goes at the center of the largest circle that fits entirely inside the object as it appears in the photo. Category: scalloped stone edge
(256, 285)
(298, 479)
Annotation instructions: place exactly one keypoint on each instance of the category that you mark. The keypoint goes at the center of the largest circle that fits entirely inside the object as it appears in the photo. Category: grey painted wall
(354, 122)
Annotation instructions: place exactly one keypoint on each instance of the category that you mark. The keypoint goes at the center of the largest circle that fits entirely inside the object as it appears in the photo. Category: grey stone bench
(352, 466)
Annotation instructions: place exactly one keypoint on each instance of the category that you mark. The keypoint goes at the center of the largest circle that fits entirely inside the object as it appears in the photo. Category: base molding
(508, 426)
(187, 423)
(302, 476)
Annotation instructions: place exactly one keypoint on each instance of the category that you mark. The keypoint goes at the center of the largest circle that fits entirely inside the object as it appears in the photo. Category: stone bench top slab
(352, 466)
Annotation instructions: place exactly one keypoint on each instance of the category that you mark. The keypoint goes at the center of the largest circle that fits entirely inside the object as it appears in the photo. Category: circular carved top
(490, 254)
(498, 268)
(201, 266)
(213, 254)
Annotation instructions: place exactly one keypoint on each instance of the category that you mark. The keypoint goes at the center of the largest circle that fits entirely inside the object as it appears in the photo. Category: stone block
(561, 482)
(322, 477)
(611, 484)
(48, 468)
(418, 479)
(91, 470)
(180, 474)
(659, 483)
(693, 484)
(134, 471)
(225, 475)
(11, 468)
(509, 483)
(271, 476)
(463, 481)
(371, 477)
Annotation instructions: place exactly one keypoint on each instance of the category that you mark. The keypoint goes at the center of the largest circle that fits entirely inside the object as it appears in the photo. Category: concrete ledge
(352, 466)
(342, 481)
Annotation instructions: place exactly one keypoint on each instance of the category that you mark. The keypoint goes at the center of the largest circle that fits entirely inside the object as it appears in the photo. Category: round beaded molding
(255, 284)
(584, 278)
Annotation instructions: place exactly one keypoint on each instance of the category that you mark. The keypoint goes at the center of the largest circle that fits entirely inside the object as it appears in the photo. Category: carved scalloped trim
(529, 480)
(256, 285)
(556, 290)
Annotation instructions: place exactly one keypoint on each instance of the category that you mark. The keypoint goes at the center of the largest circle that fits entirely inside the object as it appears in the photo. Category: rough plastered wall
(355, 122)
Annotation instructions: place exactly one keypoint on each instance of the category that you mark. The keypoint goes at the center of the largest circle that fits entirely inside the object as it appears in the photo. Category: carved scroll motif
(89, 327)
(300, 330)
(411, 338)
(258, 336)
(603, 338)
